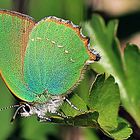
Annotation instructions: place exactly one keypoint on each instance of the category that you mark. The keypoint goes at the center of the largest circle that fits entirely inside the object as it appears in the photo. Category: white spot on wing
(72, 60)
(59, 46)
(47, 39)
(38, 38)
(53, 42)
(66, 52)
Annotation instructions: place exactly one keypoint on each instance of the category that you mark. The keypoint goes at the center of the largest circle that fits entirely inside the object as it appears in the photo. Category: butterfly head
(24, 109)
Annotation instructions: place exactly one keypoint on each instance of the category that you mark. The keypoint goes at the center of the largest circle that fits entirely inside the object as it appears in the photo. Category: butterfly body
(41, 110)
(42, 62)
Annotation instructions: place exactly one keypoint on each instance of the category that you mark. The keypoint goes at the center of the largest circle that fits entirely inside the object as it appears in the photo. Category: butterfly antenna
(9, 107)
(16, 112)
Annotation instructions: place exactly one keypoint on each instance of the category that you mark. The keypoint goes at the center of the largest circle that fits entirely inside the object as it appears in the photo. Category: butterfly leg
(72, 105)
(43, 119)
(62, 115)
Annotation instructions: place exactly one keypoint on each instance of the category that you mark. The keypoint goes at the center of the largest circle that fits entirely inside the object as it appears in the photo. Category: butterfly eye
(27, 108)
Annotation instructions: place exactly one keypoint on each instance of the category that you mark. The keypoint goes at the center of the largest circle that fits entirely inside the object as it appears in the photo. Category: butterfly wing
(55, 57)
(14, 33)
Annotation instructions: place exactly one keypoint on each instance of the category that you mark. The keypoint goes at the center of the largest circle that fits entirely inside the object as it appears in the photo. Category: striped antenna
(9, 107)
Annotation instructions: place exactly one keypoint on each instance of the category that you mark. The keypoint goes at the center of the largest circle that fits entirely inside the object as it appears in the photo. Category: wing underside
(55, 57)
(14, 34)
(44, 57)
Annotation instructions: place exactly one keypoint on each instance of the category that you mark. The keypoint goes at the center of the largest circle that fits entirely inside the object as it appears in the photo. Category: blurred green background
(76, 11)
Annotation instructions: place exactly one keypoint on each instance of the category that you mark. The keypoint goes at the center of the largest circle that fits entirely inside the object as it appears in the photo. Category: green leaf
(102, 110)
(123, 131)
(123, 66)
(85, 119)
(132, 81)
(83, 89)
(105, 100)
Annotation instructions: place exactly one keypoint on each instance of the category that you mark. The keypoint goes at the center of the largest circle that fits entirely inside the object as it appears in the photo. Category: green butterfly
(42, 62)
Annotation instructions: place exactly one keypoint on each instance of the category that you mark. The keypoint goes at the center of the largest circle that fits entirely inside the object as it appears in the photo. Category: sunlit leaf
(102, 110)
(105, 99)
(123, 66)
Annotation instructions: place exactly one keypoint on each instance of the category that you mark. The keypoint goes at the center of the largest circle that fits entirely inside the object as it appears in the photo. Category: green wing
(14, 33)
(55, 57)
(51, 59)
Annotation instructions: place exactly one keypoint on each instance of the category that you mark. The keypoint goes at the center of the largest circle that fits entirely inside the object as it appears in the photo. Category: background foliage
(101, 104)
